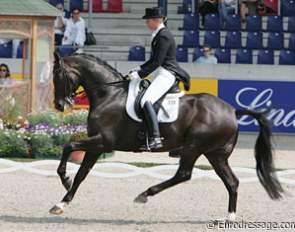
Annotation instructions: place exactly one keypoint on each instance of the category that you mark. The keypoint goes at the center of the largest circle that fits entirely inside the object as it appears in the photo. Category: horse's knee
(68, 148)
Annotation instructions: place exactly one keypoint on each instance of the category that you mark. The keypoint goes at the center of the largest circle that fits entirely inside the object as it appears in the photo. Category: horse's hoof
(57, 209)
(68, 183)
(141, 199)
(230, 218)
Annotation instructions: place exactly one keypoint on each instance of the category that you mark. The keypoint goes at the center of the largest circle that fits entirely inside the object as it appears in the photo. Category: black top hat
(153, 13)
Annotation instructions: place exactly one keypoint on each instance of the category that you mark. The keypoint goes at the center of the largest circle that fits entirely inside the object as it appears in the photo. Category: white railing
(48, 168)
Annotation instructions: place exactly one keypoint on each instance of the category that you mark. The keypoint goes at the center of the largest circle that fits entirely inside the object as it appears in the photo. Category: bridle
(70, 86)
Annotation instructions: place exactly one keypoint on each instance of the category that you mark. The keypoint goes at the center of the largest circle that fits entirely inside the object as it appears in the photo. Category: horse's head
(66, 81)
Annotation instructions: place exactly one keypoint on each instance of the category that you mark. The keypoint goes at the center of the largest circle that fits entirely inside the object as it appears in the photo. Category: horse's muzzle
(59, 105)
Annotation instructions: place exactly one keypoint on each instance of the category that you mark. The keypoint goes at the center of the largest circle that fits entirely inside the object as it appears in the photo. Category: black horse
(206, 125)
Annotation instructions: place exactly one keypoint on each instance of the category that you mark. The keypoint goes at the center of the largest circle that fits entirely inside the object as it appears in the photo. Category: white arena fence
(122, 170)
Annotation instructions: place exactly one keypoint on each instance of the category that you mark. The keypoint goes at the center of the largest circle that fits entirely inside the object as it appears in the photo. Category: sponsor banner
(278, 97)
(204, 86)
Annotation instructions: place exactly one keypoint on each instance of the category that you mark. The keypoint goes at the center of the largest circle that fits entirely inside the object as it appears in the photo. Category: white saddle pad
(170, 104)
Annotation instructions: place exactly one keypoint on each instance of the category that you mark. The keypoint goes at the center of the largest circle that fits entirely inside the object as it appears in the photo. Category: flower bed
(41, 135)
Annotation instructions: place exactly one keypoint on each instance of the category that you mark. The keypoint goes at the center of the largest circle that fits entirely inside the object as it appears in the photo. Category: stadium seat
(6, 50)
(244, 56)
(287, 57)
(136, 53)
(291, 24)
(288, 8)
(115, 6)
(291, 44)
(97, 6)
(253, 23)
(65, 50)
(254, 40)
(265, 57)
(274, 23)
(233, 39)
(190, 39)
(232, 22)
(55, 2)
(212, 22)
(275, 40)
(212, 38)
(190, 22)
(76, 4)
(223, 55)
(197, 53)
(181, 54)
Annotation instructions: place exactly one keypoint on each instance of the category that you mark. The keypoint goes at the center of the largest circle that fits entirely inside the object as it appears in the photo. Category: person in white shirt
(225, 8)
(59, 25)
(75, 30)
(207, 58)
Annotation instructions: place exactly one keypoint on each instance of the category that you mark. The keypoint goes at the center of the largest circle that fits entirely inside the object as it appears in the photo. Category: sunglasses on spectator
(206, 50)
(3, 70)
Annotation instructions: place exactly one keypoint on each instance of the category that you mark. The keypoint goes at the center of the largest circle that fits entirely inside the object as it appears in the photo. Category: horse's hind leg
(183, 173)
(219, 161)
(86, 166)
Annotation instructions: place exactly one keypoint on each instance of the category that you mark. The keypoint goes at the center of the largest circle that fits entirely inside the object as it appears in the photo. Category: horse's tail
(264, 155)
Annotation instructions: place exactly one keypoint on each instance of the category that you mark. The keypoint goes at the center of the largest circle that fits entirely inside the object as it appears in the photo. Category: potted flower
(78, 156)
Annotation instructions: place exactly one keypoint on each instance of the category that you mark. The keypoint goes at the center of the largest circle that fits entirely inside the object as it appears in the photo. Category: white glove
(133, 76)
(135, 69)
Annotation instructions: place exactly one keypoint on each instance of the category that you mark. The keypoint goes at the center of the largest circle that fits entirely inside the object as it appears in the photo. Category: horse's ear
(56, 56)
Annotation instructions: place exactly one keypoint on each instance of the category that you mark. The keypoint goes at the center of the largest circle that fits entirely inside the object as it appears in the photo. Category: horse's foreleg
(61, 170)
(183, 173)
(86, 166)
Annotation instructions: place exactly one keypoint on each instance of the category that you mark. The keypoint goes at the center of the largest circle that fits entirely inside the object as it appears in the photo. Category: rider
(162, 67)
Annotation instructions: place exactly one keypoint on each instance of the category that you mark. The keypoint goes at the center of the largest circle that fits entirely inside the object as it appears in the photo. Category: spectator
(59, 25)
(75, 30)
(248, 7)
(5, 74)
(208, 7)
(207, 58)
(225, 8)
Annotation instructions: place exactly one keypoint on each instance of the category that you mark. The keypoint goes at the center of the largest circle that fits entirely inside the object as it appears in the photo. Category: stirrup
(154, 143)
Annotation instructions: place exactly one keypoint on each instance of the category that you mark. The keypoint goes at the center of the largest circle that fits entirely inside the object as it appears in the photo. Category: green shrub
(76, 117)
(42, 145)
(50, 117)
(13, 144)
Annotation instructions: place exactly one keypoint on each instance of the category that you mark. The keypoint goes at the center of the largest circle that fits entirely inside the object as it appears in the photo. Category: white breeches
(162, 81)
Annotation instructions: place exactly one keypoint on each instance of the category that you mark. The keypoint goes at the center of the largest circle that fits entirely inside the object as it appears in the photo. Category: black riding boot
(152, 121)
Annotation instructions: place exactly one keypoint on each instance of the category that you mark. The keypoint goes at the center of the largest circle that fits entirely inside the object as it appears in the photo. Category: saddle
(143, 85)
(166, 107)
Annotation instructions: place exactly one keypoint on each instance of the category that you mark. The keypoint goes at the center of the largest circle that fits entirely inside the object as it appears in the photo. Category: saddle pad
(170, 104)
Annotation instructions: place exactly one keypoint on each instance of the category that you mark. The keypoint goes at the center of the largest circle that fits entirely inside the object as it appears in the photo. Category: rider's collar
(155, 32)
